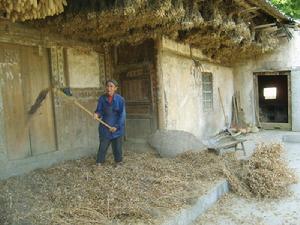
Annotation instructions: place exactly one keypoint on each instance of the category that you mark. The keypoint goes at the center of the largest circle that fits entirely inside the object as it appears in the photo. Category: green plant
(289, 7)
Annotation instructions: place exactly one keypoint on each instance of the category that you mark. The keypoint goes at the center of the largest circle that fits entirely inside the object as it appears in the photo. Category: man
(111, 109)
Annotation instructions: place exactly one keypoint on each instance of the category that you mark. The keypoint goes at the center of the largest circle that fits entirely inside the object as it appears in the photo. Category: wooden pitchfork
(66, 94)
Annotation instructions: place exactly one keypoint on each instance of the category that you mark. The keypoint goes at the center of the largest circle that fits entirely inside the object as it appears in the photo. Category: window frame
(207, 92)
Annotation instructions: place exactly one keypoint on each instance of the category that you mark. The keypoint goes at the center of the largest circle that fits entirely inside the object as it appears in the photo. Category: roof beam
(265, 26)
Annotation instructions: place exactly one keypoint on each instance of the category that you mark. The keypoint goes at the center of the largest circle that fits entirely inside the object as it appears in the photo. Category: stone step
(188, 215)
(294, 138)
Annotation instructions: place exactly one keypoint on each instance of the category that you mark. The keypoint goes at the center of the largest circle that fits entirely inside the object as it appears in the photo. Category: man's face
(111, 88)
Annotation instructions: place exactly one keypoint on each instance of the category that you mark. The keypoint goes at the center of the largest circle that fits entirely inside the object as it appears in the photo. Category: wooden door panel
(36, 70)
(136, 89)
(138, 109)
(16, 127)
(135, 69)
(24, 72)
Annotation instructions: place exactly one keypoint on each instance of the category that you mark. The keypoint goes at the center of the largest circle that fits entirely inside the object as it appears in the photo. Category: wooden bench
(224, 141)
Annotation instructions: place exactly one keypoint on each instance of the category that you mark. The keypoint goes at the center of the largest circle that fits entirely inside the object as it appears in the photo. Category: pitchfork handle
(89, 112)
(80, 106)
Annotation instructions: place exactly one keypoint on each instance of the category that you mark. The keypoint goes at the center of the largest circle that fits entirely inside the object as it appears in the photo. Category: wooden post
(236, 119)
(160, 86)
(223, 110)
(3, 151)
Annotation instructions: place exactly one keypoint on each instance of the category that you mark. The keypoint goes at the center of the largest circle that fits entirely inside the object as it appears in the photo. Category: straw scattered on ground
(75, 192)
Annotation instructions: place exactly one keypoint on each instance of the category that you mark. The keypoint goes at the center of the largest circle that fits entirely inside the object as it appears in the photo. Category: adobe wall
(183, 94)
(286, 57)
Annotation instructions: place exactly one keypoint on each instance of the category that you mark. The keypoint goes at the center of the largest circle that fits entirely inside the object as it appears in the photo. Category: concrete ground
(235, 210)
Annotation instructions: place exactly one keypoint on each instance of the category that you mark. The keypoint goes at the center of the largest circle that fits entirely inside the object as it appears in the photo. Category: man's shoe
(118, 164)
(96, 167)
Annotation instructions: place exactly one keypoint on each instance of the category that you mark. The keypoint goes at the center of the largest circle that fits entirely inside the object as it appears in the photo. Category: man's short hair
(112, 81)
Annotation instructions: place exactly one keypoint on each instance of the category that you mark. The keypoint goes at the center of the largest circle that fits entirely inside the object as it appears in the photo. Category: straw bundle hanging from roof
(32, 9)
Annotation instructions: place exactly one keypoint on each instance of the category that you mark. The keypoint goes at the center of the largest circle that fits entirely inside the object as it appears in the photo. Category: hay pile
(76, 193)
(265, 175)
(269, 175)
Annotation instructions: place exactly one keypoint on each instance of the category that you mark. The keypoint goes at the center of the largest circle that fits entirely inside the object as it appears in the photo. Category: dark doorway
(273, 99)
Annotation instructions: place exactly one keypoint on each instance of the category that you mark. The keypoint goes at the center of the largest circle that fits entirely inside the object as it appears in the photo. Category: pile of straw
(269, 176)
(75, 192)
(265, 175)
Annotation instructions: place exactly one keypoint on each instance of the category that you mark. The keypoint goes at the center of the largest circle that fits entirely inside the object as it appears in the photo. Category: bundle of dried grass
(269, 176)
(32, 9)
(133, 22)
(265, 175)
(215, 27)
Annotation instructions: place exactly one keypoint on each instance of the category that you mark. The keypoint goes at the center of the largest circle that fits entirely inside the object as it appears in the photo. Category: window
(270, 93)
(207, 91)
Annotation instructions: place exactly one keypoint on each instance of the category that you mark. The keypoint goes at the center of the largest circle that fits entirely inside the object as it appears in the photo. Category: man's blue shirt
(113, 114)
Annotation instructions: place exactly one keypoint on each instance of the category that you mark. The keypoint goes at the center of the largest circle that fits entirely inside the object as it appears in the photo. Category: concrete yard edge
(188, 215)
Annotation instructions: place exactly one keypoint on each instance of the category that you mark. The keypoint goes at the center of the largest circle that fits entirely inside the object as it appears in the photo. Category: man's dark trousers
(116, 147)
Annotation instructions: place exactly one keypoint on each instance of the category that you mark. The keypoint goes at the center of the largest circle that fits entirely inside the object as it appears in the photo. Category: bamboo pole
(223, 110)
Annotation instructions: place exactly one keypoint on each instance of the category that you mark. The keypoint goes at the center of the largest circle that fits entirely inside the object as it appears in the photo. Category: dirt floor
(235, 210)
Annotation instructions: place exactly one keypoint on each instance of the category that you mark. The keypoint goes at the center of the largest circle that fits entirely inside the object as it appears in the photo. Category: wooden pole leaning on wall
(223, 110)
(235, 112)
(256, 111)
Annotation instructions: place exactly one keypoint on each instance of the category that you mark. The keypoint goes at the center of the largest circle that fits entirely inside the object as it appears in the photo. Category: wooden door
(136, 88)
(36, 70)
(135, 69)
(16, 128)
(24, 73)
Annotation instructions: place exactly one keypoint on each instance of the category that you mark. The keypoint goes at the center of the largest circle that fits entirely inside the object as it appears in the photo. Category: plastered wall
(84, 69)
(182, 90)
(286, 57)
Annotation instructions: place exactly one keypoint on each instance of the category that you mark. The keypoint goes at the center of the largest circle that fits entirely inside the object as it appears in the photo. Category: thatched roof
(221, 28)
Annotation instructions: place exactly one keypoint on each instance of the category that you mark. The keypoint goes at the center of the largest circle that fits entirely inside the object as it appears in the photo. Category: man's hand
(96, 116)
(113, 129)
